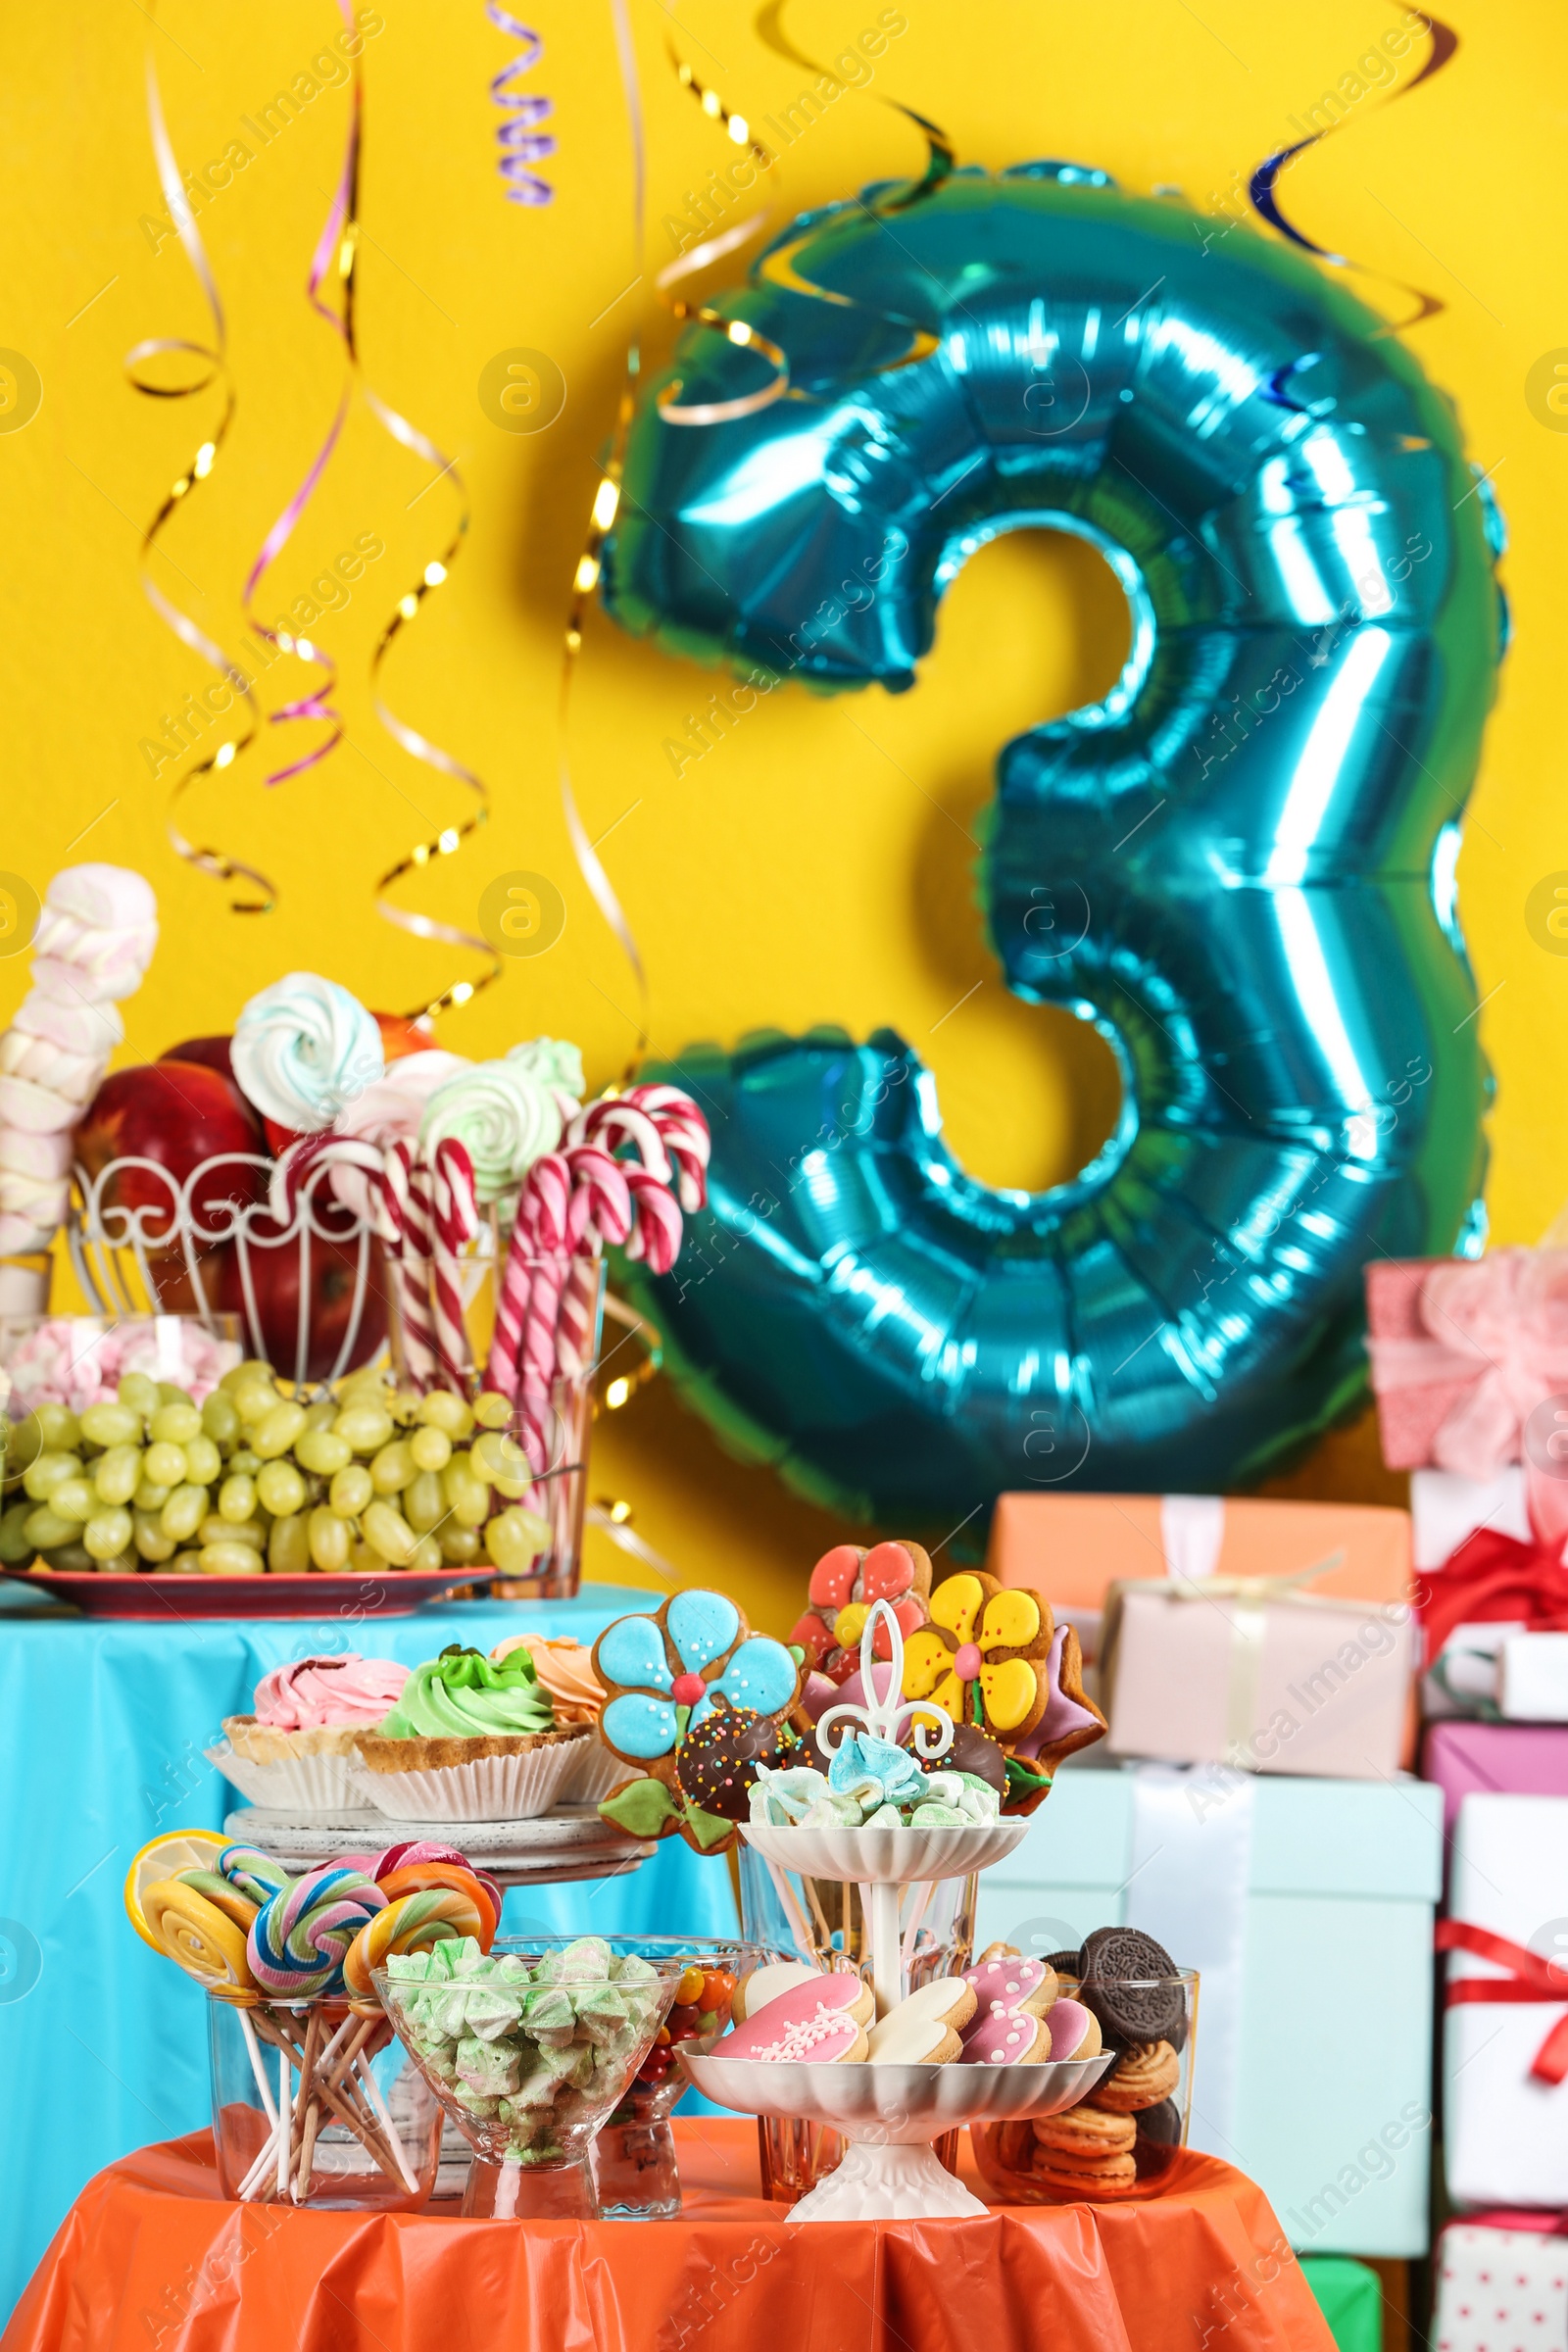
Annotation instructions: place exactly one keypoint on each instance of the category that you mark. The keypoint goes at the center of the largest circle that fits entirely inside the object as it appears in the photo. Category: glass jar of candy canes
(824, 1921)
(518, 1336)
(315, 2105)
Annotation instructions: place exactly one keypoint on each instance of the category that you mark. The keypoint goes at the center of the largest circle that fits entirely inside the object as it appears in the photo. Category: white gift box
(1505, 2131)
(1501, 2290)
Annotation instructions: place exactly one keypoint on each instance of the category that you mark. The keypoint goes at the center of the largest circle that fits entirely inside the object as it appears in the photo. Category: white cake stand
(890, 2115)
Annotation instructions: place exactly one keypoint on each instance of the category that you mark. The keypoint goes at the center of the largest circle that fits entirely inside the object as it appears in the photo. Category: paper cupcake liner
(299, 1784)
(516, 1787)
(597, 1772)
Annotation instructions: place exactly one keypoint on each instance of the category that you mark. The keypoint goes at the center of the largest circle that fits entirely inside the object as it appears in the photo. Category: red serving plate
(184, 1597)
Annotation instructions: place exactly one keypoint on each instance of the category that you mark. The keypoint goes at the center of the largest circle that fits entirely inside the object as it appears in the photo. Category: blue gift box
(1307, 1906)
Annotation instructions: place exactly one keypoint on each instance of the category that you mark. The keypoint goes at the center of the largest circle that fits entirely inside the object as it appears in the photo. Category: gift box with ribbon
(1261, 1672)
(1468, 1357)
(1072, 1548)
(1505, 2034)
(1500, 2290)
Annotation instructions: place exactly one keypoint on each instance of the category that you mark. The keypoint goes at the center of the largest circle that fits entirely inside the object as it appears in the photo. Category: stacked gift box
(1254, 1665)
(1470, 1363)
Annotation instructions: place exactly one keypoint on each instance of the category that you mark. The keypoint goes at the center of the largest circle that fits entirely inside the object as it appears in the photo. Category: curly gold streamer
(204, 856)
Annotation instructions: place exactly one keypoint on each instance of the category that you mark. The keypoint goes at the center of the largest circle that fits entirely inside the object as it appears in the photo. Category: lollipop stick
(791, 1909)
(252, 2184)
(305, 2101)
(388, 2127)
(285, 2122)
(257, 2068)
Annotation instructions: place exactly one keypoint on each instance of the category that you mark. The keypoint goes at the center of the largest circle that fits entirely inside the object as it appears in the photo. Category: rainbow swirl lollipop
(410, 1924)
(253, 1873)
(483, 1893)
(199, 1937)
(299, 1938)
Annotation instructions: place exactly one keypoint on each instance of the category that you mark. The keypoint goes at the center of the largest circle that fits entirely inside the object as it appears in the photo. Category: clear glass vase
(824, 1921)
(312, 2105)
(557, 1309)
(1140, 2111)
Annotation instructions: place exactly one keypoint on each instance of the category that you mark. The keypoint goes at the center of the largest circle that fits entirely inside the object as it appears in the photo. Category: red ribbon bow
(1494, 1578)
(1532, 1979)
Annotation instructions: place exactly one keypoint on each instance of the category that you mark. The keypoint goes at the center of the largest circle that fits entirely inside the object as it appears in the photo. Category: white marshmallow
(111, 897)
(73, 1076)
(43, 1200)
(33, 1107)
(89, 1029)
(45, 1155)
(20, 1237)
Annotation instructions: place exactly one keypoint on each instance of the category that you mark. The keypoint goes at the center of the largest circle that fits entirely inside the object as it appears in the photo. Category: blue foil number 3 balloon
(1239, 866)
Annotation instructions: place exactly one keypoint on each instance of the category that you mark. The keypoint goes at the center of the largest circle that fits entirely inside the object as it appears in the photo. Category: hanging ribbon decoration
(332, 254)
(521, 143)
(1261, 189)
(336, 257)
(769, 30)
(606, 498)
(213, 361)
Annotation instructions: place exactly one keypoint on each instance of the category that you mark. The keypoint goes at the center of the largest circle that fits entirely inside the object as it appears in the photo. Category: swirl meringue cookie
(304, 1050)
(295, 1751)
(508, 1116)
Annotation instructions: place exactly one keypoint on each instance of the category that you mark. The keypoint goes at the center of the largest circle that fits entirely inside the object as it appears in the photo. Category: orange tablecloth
(152, 2258)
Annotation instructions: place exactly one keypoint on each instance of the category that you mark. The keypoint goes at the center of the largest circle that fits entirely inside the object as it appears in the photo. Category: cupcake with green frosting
(469, 1739)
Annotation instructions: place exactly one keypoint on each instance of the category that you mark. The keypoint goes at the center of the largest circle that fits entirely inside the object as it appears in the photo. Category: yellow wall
(816, 866)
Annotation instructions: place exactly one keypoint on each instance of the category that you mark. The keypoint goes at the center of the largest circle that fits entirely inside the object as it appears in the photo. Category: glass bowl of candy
(1122, 2141)
(314, 2105)
(529, 2047)
(634, 2155)
(825, 1922)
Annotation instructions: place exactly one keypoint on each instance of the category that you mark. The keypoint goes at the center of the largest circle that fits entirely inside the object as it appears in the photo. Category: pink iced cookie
(1008, 2027)
(1074, 2031)
(815, 2023)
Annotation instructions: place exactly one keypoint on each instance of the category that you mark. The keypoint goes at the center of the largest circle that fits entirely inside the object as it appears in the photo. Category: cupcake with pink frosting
(293, 1753)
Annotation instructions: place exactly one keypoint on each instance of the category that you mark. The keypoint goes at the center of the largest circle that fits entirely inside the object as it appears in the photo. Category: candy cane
(449, 1184)
(405, 1217)
(617, 1119)
(657, 1239)
(683, 1131)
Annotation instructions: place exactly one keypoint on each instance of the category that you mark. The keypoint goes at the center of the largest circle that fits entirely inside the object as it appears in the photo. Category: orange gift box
(1072, 1548)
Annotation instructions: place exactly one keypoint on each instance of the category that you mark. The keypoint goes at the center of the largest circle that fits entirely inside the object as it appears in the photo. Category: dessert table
(103, 2046)
(151, 2255)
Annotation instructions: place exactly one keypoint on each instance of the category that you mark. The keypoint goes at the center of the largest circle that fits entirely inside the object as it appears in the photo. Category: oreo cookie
(1162, 2124)
(1115, 1969)
(1065, 1964)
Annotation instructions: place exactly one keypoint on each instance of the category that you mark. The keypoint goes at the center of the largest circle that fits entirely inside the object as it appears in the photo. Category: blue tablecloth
(103, 2045)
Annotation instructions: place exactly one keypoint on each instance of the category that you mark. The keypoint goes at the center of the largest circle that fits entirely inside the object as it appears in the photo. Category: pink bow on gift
(1499, 1324)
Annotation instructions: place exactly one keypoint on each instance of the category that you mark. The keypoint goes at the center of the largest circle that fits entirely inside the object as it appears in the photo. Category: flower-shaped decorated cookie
(984, 1656)
(845, 1583)
(664, 1675)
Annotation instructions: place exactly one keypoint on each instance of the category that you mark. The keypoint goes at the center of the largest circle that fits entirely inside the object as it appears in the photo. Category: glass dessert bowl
(529, 2047)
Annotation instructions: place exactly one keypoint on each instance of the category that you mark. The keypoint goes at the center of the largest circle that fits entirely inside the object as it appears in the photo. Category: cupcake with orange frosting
(565, 1670)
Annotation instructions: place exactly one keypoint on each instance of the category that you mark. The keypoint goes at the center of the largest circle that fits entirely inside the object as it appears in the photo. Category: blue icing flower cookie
(663, 1676)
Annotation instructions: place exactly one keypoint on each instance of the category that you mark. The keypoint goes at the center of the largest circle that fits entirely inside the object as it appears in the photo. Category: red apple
(214, 1051)
(175, 1113)
(275, 1282)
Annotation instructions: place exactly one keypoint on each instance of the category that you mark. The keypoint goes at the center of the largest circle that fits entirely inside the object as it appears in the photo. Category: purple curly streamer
(521, 143)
